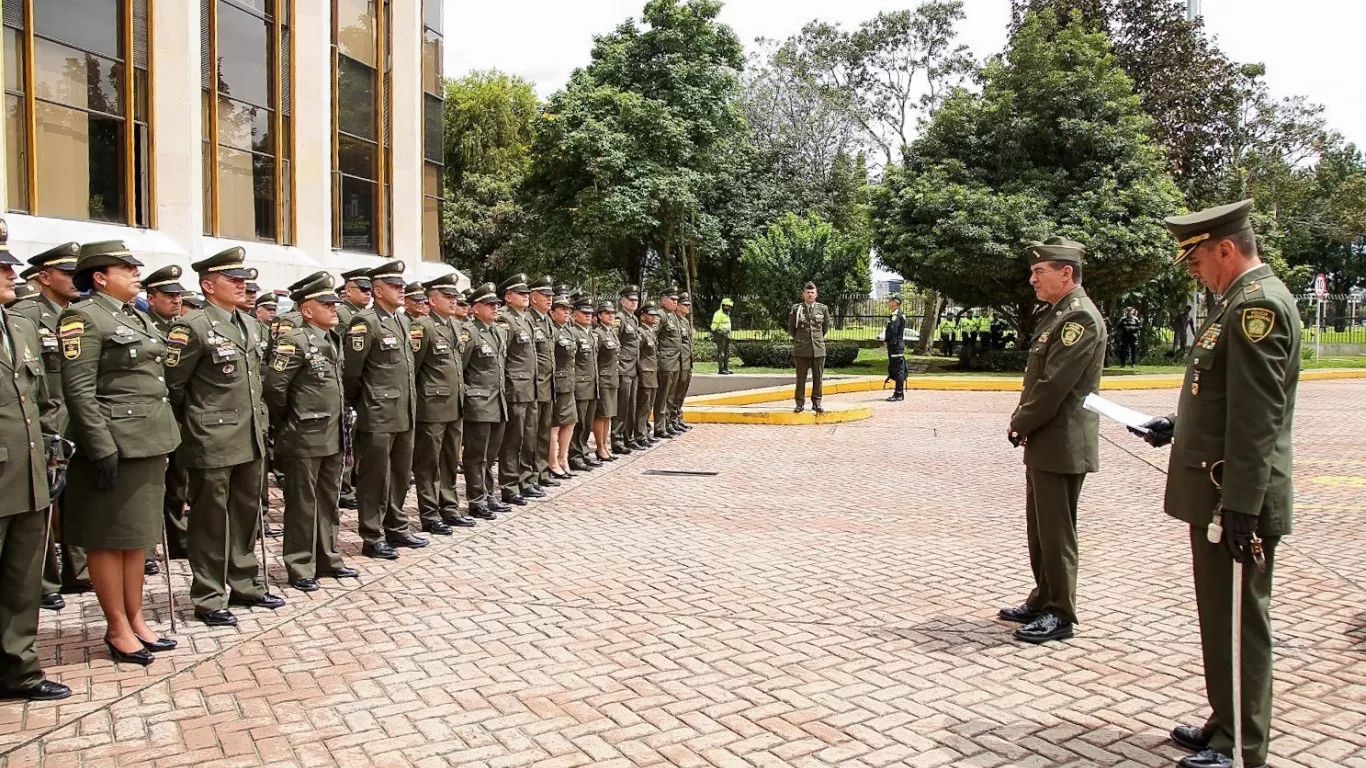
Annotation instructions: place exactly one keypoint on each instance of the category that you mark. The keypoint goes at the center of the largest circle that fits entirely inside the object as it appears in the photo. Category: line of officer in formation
(1229, 473)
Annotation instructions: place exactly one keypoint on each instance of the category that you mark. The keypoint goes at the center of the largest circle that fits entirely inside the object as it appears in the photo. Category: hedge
(770, 354)
(995, 361)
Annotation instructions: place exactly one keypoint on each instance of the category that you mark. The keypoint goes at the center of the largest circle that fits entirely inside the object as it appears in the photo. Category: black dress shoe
(895, 399)
(52, 601)
(799, 409)
(263, 600)
(495, 505)
(607, 458)
(344, 572)
(549, 482)
(817, 409)
(482, 513)
(1208, 758)
(514, 498)
(592, 461)
(78, 588)
(439, 528)
(577, 466)
(1044, 629)
(158, 645)
(532, 493)
(305, 585)
(44, 691)
(347, 503)
(621, 448)
(219, 618)
(150, 567)
(140, 656)
(1021, 614)
(458, 522)
(379, 550)
(406, 540)
(1192, 737)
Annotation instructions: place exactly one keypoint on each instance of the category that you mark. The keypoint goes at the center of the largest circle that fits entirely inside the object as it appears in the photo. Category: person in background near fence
(1184, 323)
(720, 334)
(895, 336)
(947, 328)
(808, 322)
(1129, 329)
(1059, 436)
(1236, 413)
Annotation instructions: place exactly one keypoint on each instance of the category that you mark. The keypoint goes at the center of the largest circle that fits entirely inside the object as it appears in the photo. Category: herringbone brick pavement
(828, 598)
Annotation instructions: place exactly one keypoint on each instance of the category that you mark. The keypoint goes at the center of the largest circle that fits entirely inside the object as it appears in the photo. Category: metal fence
(1342, 319)
(853, 317)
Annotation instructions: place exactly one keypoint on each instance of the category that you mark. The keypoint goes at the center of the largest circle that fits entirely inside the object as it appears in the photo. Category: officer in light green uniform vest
(947, 328)
(50, 274)
(1059, 436)
(304, 393)
(1231, 455)
(213, 370)
(808, 322)
(720, 333)
(27, 413)
(440, 366)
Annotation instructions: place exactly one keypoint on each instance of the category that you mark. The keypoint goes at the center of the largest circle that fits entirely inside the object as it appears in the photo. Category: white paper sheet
(1116, 412)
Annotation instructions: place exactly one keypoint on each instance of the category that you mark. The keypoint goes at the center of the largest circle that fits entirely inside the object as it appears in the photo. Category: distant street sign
(1321, 286)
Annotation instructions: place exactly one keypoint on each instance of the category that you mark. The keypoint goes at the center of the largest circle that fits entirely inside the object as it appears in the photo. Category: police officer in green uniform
(1059, 436)
(356, 293)
(50, 273)
(485, 406)
(1231, 458)
(415, 301)
(379, 384)
(164, 303)
(564, 413)
(542, 297)
(609, 378)
(516, 456)
(123, 427)
(304, 393)
(679, 391)
(648, 373)
(27, 413)
(669, 346)
(627, 328)
(213, 369)
(585, 386)
(808, 321)
(440, 367)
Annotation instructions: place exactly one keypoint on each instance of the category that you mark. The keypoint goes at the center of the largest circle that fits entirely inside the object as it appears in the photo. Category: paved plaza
(827, 598)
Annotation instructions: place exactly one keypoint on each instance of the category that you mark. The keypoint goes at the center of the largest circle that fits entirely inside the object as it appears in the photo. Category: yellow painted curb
(784, 416)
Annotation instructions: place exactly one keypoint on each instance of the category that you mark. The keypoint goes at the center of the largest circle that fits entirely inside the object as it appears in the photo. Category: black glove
(1016, 440)
(1159, 431)
(106, 470)
(1238, 530)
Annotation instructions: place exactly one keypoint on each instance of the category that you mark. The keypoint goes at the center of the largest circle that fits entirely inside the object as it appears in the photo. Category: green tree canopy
(796, 249)
(1055, 144)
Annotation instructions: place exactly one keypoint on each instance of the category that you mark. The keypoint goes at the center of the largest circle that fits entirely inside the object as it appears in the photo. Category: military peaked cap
(630, 292)
(310, 280)
(485, 294)
(107, 253)
(1056, 249)
(229, 263)
(517, 284)
(390, 272)
(415, 291)
(63, 257)
(1210, 224)
(543, 284)
(166, 280)
(446, 284)
(320, 289)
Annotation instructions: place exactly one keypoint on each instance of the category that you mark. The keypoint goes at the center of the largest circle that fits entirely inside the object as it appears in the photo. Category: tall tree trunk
(929, 322)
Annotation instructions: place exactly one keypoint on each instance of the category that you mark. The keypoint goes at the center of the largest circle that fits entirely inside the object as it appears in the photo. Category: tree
(796, 249)
(488, 119)
(1055, 144)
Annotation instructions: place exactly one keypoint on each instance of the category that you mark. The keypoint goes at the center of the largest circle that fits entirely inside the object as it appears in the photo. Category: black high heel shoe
(158, 645)
(142, 657)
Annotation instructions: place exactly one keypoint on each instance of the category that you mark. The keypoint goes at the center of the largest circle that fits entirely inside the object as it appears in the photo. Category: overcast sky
(1310, 47)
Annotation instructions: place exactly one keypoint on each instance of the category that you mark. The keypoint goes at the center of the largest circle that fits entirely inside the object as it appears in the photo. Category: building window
(77, 124)
(248, 152)
(433, 144)
(361, 67)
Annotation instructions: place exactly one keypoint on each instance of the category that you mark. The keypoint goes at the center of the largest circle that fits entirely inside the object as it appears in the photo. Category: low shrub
(771, 354)
(996, 361)
(703, 350)
(840, 354)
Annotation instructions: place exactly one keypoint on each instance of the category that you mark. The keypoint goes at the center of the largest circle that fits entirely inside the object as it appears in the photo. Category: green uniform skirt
(607, 403)
(565, 413)
(127, 516)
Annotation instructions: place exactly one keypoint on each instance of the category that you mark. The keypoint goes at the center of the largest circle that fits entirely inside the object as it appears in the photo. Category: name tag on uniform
(224, 352)
(389, 342)
(50, 341)
(523, 337)
(540, 335)
(611, 345)
(442, 347)
(485, 350)
(583, 343)
(567, 343)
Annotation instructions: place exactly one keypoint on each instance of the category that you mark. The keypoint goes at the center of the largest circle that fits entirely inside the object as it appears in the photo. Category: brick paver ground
(827, 599)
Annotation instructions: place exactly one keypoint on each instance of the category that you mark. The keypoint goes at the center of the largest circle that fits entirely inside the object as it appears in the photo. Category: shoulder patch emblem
(357, 341)
(172, 357)
(1258, 323)
(71, 348)
(281, 361)
(179, 335)
(464, 336)
(1072, 333)
(415, 337)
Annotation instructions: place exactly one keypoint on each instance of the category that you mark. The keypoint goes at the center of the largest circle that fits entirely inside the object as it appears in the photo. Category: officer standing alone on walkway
(808, 322)
(894, 335)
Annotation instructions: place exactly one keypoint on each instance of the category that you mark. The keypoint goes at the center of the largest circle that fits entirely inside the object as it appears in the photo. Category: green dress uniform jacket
(566, 344)
(669, 342)
(585, 363)
(647, 365)
(28, 409)
(685, 338)
(44, 314)
(808, 324)
(304, 393)
(520, 369)
(1065, 361)
(346, 312)
(609, 370)
(485, 400)
(627, 329)
(543, 335)
(377, 372)
(440, 369)
(213, 370)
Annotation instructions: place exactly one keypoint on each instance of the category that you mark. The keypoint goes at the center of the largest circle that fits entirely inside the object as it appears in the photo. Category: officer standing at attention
(50, 272)
(895, 336)
(213, 370)
(1231, 460)
(808, 322)
(164, 293)
(1058, 435)
(486, 406)
(679, 392)
(542, 296)
(564, 413)
(946, 331)
(585, 386)
(1129, 329)
(649, 373)
(609, 378)
(27, 413)
(627, 329)
(415, 301)
(377, 374)
(304, 393)
(266, 308)
(440, 388)
(669, 346)
(516, 455)
(356, 292)
(720, 333)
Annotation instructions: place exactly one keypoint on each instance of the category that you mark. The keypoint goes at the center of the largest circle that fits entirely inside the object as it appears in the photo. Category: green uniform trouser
(482, 439)
(545, 421)
(816, 365)
(222, 534)
(583, 428)
(384, 463)
(67, 570)
(722, 351)
(1213, 567)
(436, 447)
(645, 403)
(1051, 511)
(312, 487)
(668, 380)
(514, 453)
(21, 576)
(173, 508)
(677, 394)
(624, 423)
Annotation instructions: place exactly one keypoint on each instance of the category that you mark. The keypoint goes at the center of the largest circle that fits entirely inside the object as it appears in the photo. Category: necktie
(4, 336)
